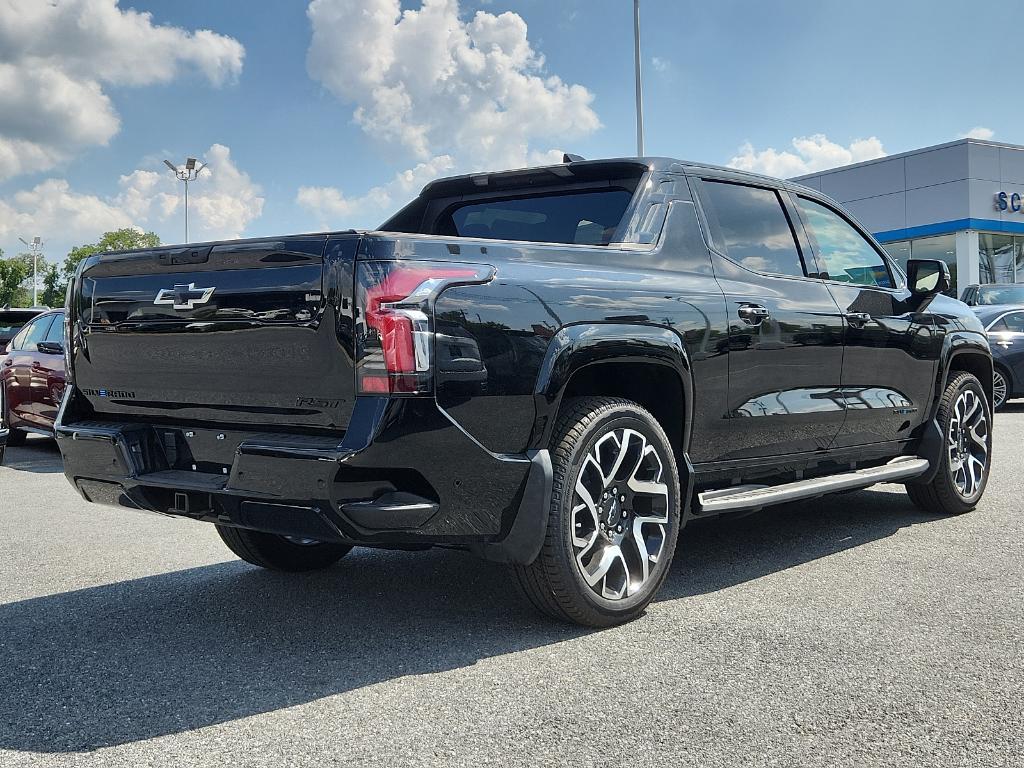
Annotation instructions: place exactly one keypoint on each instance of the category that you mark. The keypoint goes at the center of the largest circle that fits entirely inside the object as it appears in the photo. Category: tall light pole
(639, 81)
(35, 248)
(186, 173)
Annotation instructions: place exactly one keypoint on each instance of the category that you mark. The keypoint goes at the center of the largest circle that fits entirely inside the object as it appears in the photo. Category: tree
(118, 240)
(12, 275)
(53, 294)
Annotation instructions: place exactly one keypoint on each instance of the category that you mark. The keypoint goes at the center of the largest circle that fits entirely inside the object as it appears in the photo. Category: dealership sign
(1008, 202)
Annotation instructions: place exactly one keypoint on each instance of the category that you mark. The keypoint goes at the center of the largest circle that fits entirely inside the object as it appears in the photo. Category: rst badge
(184, 296)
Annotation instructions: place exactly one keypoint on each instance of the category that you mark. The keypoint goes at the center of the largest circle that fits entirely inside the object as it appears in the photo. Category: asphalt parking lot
(847, 631)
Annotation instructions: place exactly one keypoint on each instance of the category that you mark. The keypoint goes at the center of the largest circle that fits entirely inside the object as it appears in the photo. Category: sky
(332, 114)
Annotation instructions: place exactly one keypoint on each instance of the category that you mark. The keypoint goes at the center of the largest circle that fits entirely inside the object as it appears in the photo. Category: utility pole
(186, 173)
(35, 248)
(639, 81)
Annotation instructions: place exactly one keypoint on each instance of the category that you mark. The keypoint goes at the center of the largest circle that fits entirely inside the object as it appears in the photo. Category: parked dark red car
(32, 377)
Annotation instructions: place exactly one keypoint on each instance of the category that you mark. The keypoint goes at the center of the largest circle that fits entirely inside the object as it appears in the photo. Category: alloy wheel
(967, 444)
(620, 514)
(998, 389)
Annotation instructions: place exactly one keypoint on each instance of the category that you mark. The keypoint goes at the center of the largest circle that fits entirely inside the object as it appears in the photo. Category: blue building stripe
(948, 227)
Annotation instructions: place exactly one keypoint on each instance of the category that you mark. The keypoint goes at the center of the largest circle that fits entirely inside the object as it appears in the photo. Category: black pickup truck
(557, 367)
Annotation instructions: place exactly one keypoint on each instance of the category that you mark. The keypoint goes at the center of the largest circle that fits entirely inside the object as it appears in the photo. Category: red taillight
(395, 336)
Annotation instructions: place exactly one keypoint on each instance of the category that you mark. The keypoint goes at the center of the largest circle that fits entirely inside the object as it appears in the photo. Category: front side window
(843, 252)
(1013, 322)
(33, 333)
(754, 228)
(56, 332)
(581, 218)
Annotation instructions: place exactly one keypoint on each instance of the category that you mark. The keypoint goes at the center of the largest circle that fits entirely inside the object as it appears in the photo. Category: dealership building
(961, 202)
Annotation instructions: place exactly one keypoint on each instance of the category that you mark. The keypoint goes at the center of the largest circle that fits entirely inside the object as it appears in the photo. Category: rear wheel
(281, 553)
(965, 420)
(614, 515)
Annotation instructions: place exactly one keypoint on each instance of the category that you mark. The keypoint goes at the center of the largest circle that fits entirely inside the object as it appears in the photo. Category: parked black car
(555, 367)
(1005, 327)
(991, 294)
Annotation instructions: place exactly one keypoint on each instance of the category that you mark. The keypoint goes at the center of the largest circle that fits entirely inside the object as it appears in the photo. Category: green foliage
(12, 274)
(119, 240)
(53, 293)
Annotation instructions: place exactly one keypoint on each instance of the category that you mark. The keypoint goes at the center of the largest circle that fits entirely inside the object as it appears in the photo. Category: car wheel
(614, 515)
(1000, 389)
(965, 420)
(281, 553)
(16, 438)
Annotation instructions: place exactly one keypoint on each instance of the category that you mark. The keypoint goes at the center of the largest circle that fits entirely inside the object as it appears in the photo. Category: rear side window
(844, 253)
(754, 228)
(582, 218)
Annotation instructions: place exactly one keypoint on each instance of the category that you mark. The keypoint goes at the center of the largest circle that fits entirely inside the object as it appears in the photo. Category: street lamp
(35, 248)
(188, 172)
(639, 83)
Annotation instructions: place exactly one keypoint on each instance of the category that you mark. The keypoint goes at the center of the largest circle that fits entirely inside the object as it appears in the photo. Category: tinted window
(754, 228)
(1000, 294)
(589, 218)
(841, 250)
(56, 332)
(33, 333)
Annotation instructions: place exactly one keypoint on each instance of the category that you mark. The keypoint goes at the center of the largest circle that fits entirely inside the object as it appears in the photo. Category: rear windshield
(12, 322)
(583, 218)
(1001, 294)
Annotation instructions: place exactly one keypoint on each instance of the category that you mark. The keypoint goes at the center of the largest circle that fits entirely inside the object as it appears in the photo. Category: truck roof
(584, 170)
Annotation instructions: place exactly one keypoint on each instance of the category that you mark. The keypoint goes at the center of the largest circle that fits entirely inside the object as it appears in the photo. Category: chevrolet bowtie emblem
(184, 296)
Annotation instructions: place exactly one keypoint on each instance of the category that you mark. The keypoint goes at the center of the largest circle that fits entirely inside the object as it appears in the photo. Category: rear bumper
(402, 475)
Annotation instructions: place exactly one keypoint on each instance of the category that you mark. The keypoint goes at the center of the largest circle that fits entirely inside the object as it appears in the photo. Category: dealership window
(996, 258)
(942, 248)
(900, 252)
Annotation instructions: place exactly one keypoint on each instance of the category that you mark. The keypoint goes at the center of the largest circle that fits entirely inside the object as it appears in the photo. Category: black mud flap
(526, 537)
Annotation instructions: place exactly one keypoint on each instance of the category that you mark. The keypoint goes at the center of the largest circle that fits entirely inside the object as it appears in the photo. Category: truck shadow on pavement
(39, 455)
(166, 654)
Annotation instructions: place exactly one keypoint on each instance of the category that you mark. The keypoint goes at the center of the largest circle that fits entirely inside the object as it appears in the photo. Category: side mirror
(50, 347)
(927, 277)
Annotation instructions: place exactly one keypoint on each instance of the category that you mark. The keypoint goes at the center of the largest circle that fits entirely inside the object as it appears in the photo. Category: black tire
(269, 550)
(554, 582)
(17, 438)
(943, 495)
(3, 448)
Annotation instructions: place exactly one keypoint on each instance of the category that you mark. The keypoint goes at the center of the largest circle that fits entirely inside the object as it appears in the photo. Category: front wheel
(614, 515)
(965, 420)
(281, 553)
(1000, 389)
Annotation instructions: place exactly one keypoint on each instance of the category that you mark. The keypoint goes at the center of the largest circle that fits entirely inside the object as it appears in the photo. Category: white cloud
(333, 209)
(222, 204)
(52, 206)
(659, 64)
(436, 86)
(56, 58)
(812, 153)
(978, 132)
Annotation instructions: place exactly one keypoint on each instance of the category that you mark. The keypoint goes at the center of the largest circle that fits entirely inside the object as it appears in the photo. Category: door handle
(753, 314)
(858, 319)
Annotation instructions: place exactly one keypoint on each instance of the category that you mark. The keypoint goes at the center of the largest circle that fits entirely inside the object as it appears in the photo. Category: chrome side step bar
(750, 497)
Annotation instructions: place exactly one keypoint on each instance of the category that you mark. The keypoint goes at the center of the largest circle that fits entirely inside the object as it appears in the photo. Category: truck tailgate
(243, 332)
